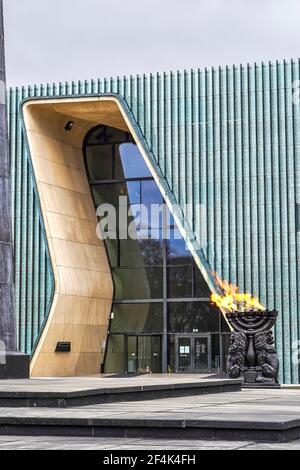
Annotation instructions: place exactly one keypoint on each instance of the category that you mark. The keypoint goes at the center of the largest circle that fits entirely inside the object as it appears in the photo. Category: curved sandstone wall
(83, 283)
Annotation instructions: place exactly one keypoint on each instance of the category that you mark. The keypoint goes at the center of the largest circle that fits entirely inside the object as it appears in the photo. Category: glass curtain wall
(160, 296)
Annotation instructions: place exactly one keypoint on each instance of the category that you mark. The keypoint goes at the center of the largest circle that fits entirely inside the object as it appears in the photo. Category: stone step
(154, 428)
(39, 396)
(259, 415)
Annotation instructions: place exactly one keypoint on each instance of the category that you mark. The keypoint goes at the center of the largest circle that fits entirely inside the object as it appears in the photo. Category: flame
(232, 300)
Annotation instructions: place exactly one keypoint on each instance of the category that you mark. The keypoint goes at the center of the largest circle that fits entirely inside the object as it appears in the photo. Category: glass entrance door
(193, 353)
(201, 354)
(131, 366)
(143, 355)
(149, 354)
(184, 354)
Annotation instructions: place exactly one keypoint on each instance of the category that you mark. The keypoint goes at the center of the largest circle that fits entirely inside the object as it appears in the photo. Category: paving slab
(83, 391)
(10, 443)
(240, 416)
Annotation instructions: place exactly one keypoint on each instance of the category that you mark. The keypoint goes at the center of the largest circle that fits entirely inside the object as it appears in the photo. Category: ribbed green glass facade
(227, 138)
(33, 271)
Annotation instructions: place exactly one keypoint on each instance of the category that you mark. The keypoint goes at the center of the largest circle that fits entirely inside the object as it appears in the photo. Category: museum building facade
(217, 152)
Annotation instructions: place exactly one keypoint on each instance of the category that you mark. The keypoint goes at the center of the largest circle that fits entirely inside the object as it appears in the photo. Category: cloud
(61, 40)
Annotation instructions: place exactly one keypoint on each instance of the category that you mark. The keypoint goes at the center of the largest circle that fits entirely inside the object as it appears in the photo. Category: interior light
(69, 126)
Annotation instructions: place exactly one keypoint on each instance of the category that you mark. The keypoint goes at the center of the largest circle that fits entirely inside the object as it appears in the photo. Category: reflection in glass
(151, 193)
(225, 349)
(107, 135)
(137, 318)
(149, 354)
(148, 266)
(109, 193)
(171, 353)
(100, 162)
(200, 285)
(112, 248)
(216, 354)
(146, 250)
(180, 281)
(115, 354)
(140, 215)
(177, 251)
(191, 317)
(130, 163)
(134, 192)
(131, 354)
(138, 283)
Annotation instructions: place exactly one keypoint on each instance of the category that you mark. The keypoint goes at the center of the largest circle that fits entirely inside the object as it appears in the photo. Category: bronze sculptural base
(252, 353)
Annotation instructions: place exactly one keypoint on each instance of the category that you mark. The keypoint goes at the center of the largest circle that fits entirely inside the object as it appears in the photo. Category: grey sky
(57, 40)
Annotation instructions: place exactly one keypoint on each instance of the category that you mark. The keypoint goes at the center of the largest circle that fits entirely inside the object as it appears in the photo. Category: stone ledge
(258, 431)
(64, 399)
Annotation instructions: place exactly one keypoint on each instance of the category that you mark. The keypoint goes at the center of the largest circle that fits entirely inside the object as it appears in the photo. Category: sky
(62, 40)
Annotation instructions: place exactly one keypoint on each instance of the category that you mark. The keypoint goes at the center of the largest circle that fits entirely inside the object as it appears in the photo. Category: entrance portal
(193, 353)
(159, 291)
